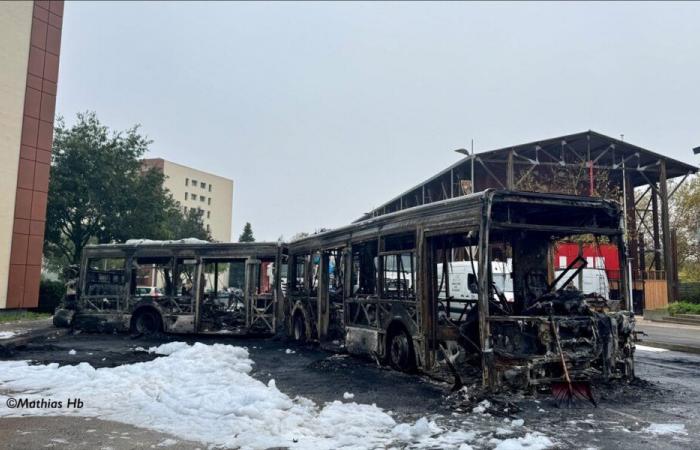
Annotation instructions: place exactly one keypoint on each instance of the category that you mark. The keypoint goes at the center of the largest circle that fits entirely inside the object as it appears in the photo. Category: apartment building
(195, 189)
(30, 42)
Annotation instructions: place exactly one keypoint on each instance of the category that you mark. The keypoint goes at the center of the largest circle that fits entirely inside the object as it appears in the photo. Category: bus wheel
(299, 328)
(147, 322)
(401, 354)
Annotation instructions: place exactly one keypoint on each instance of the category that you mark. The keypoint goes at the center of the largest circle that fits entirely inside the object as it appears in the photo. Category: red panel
(56, 7)
(41, 177)
(31, 287)
(45, 138)
(32, 102)
(55, 20)
(23, 204)
(21, 226)
(25, 174)
(15, 286)
(48, 107)
(43, 156)
(30, 130)
(18, 251)
(38, 205)
(53, 40)
(36, 227)
(51, 67)
(34, 250)
(41, 14)
(39, 29)
(33, 81)
(49, 87)
(27, 152)
(36, 61)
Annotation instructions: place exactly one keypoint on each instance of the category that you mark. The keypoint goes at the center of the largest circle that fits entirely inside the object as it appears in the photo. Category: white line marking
(644, 348)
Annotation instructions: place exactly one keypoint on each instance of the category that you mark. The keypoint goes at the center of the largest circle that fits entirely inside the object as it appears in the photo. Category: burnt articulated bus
(186, 286)
(380, 287)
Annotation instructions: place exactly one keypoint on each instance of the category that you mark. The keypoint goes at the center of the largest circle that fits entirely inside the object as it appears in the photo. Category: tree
(247, 235)
(684, 212)
(684, 217)
(99, 193)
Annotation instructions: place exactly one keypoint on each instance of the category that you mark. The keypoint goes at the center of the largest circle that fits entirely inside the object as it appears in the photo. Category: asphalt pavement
(671, 336)
(667, 391)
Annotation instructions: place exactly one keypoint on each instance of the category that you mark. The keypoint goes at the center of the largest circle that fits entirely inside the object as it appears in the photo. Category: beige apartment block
(30, 41)
(195, 189)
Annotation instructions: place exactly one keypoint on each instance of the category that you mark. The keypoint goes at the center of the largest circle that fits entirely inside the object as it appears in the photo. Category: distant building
(194, 189)
(30, 33)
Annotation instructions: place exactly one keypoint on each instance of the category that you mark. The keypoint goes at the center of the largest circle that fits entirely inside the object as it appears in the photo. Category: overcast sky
(321, 111)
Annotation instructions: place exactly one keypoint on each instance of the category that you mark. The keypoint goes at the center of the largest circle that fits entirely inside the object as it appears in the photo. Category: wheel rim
(399, 350)
(298, 328)
(146, 324)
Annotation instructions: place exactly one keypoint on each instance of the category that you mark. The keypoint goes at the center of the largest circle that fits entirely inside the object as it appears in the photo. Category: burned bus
(186, 286)
(382, 287)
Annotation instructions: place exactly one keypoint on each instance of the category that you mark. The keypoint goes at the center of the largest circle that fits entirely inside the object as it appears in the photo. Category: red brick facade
(35, 155)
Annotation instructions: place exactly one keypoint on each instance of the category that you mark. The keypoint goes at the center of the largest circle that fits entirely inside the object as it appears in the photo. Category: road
(667, 392)
(670, 335)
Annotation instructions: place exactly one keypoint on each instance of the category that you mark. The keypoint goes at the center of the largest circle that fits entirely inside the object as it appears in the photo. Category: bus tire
(146, 322)
(400, 351)
(299, 328)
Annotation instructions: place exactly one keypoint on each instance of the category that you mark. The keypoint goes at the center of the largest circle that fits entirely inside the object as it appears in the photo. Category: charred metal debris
(458, 288)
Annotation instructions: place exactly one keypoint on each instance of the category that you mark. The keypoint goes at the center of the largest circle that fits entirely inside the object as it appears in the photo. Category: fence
(689, 292)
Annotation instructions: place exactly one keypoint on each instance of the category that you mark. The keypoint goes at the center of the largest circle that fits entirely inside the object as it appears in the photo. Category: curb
(673, 347)
(8, 346)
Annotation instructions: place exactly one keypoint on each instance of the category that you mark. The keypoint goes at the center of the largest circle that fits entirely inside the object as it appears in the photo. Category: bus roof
(464, 211)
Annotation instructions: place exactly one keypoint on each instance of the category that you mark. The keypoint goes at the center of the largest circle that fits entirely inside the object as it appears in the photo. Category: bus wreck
(383, 287)
(186, 286)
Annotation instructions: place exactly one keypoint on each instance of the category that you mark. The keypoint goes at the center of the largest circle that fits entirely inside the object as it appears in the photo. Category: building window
(203, 185)
(209, 187)
(201, 198)
(194, 182)
(187, 181)
(208, 214)
(208, 228)
(209, 201)
(185, 209)
(194, 196)
(185, 195)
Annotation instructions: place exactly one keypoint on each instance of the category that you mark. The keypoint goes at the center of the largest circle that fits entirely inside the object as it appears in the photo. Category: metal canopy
(500, 168)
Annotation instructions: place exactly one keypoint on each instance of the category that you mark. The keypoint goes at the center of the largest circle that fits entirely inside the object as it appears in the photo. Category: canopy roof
(641, 166)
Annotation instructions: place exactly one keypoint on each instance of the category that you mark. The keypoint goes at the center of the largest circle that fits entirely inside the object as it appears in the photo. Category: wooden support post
(666, 232)
(655, 227)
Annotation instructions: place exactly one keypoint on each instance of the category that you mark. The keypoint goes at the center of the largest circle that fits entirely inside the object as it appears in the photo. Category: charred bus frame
(191, 298)
(374, 287)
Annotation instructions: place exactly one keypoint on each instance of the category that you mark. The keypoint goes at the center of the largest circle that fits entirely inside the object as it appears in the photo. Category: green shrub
(50, 295)
(13, 315)
(683, 308)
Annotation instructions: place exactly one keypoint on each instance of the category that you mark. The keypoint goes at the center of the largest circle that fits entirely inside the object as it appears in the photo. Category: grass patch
(12, 316)
(683, 308)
